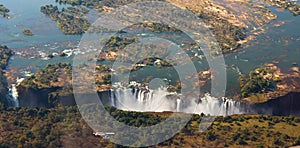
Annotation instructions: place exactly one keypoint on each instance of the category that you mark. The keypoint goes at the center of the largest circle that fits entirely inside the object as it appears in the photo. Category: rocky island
(27, 32)
(271, 89)
(70, 20)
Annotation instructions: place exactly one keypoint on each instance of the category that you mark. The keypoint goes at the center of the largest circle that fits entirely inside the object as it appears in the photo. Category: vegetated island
(27, 32)
(271, 90)
(70, 20)
(5, 54)
(4, 11)
(268, 82)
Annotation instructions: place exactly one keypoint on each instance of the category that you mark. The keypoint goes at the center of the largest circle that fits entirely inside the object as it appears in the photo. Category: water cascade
(143, 99)
(13, 93)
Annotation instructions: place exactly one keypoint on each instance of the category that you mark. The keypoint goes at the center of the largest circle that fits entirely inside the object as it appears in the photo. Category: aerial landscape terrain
(55, 58)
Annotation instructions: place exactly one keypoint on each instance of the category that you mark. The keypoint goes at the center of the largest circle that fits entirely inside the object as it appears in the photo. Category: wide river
(280, 44)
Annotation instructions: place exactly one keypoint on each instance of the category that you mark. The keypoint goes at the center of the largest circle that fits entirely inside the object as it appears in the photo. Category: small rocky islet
(27, 32)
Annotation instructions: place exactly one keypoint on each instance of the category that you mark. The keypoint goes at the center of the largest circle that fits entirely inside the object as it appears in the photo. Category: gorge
(160, 100)
(259, 41)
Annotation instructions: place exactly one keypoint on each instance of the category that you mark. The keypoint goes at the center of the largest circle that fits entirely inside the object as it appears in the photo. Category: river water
(277, 44)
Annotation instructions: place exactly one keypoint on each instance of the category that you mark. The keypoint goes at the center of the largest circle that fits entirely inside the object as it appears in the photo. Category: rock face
(30, 97)
(5, 53)
(3, 91)
(288, 104)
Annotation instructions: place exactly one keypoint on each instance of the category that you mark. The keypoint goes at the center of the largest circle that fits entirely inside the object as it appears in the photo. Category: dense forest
(259, 80)
(63, 126)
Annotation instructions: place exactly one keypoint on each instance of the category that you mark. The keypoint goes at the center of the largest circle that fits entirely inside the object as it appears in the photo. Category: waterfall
(13, 93)
(142, 99)
(178, 105)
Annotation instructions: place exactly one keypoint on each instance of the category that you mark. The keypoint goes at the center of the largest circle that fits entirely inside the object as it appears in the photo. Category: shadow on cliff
(29, 97)
(281, 106)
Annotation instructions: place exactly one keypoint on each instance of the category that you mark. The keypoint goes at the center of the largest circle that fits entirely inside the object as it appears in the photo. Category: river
(277, 44)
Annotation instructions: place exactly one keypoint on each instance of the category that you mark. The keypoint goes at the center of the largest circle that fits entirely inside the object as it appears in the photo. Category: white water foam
(143, 99)
(13, 93)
